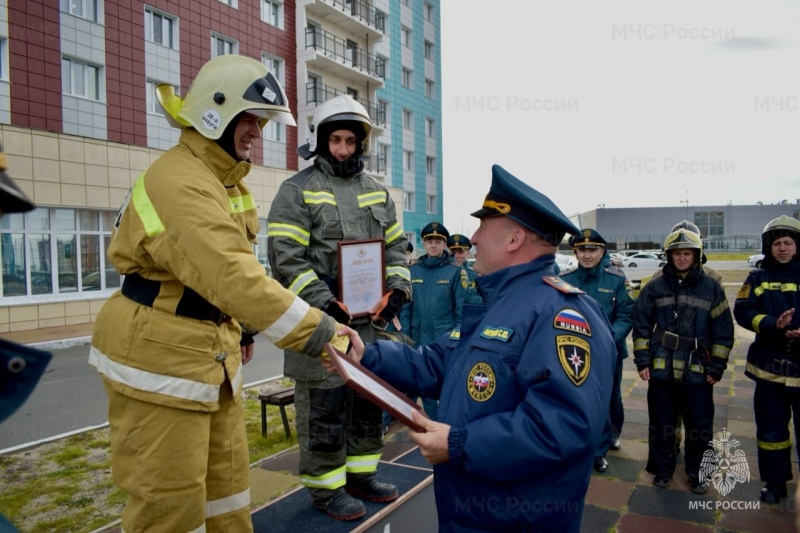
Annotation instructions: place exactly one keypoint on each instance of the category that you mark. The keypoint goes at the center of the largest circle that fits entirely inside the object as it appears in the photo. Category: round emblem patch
(211, 120)
(481, 382)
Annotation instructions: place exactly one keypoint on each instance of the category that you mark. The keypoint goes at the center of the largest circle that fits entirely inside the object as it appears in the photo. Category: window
(430, 166)
(221, 46)
(429, 89)
(428, 12)
(408, 119)
(233, 3)
(430, 205)
(153, 105)
(408, 160)
(353, 92)
(352, 52)
(408, 201)
(429, 50)
(274, 130)
(711, 223)
(406, 78)
(272, 13)
(81, 8)
(430, 127)
(159, 28)
(56, 251)
(405, 37)
(80, 79)
(404, 2)
(3, 58)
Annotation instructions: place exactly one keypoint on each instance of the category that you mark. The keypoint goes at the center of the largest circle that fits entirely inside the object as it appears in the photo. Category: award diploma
(362, 274)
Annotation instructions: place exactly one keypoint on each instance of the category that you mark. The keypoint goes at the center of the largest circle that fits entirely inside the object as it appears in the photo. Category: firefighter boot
(773, 492)
(341, 506)
(367, 487)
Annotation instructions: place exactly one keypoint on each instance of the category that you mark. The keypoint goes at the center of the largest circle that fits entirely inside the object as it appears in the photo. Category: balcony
(317, 93)
(375, 164)
(343, 58)
(355, 16)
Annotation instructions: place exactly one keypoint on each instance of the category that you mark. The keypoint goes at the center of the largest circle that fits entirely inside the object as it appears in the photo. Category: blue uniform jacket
(525, 390)
(608, 285)
(438, 291)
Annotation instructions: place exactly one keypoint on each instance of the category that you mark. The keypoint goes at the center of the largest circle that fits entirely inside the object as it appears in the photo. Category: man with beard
(339, 431)
(682, 335)
(767, 304)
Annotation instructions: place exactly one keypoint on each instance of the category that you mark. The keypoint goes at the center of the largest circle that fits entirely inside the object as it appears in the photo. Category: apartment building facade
(80, 122)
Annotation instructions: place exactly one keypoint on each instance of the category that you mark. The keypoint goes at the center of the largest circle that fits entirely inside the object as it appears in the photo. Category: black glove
(714, 373)
(339, 312)
(389, 305)
(247, 339)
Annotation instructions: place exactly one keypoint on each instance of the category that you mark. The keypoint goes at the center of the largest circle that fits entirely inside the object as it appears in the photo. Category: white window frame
(274, 131)
(231, 45)
(405, 36)
(233, 3)
(408, 119)
(430, 165)
(169, 25)
(68, 78)
(78, 8)
(429, 50)
(408, 201)
(272, 13)
(4, 59)
(430, 127)
(428, 12)
(407, 79)
(408, 160)
(430, 203)
(152, 103)
(430, 89)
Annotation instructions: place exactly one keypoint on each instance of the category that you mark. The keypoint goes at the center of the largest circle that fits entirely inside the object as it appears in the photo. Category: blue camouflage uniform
(524, 387)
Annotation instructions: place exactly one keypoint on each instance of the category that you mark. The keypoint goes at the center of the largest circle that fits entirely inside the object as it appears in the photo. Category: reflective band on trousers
(234, 502)
(361, 464)
(152, 382)
(774, 445)
(332, 480)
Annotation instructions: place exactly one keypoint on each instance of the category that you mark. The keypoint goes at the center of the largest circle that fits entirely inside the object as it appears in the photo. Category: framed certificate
(375, 389)
(362, 274)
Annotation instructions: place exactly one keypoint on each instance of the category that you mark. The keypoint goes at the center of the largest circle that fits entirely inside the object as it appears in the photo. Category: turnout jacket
(439, 289)
(525, 390)
(314, 210)
(765, 294)
(609, 287)
(189, 222)
(682, 327)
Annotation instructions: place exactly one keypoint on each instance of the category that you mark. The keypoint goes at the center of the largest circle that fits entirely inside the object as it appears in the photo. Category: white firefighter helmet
(338, 108)
(225, 87)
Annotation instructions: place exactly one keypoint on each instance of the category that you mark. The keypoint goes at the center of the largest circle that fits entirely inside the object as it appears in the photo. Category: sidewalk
(52, 338)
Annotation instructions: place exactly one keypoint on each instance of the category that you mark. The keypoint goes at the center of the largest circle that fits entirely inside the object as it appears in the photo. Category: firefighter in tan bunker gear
(168, 344)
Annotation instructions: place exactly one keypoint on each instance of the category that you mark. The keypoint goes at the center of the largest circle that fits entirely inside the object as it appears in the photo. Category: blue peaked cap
(511, 197)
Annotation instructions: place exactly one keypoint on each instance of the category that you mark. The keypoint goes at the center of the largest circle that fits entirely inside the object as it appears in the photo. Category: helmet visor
(272, 102)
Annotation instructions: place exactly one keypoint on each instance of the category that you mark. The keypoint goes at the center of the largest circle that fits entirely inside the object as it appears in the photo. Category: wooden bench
(280, 397)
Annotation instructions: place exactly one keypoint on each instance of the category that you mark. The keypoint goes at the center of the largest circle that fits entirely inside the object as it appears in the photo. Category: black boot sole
(358, 493)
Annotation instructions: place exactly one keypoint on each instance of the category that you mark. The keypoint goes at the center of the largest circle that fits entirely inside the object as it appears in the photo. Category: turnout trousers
(775, 405)
(666, 400)
(183, 471)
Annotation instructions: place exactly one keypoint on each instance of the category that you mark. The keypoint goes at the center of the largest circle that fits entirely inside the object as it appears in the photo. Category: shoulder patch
(615, 271)
(744, 292)
(571, 320)
(455, 335)
(497, 334)
(561, 285)
(464, 279)
(574, 354)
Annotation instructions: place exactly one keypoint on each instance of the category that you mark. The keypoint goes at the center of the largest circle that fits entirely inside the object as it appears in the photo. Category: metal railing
(317, 93)
(343, 51)
(363, 12)
(375, 163)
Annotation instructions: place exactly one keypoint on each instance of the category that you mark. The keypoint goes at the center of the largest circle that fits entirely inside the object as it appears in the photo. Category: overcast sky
(622, 103)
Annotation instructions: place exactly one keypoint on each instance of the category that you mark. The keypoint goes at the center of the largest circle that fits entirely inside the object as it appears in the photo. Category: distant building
(723, 227)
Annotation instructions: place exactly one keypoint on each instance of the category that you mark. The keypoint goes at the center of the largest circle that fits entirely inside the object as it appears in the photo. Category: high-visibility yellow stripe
(659, 363)
(697, 368)
(362, 464)
(240, 204)
(234, 502)
(760, 373)
(771, 446)
(678, 363)
(757, 322)
(641, 344)
(393, 232)
(152, 382)
(717, 350)
(371, 198)
(399, 271)
(677, 374)
(301, 281)
(721, 308)
(287, 230)
(775, 286)
(144, 207)
(289, 320)
(332, 480)
(319, 197)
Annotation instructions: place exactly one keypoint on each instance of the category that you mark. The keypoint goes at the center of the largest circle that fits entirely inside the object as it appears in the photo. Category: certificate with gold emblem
(375, 389)
(362, 274)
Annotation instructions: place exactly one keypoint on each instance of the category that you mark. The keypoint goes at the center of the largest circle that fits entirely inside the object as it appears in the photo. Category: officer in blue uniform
(608, 285)
(523, 390)
(438, 291)
(20, 367)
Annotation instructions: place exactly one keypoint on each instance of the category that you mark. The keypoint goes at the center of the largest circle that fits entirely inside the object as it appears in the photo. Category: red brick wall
(35, 64)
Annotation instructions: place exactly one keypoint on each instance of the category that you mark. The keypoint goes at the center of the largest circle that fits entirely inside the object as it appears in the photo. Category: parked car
(566, 263)
(643, 260)
(616, 259)
(755, 260)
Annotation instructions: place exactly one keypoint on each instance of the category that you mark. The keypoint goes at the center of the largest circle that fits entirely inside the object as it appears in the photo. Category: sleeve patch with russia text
(744, 292)
(571, 320)
(574, 354)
